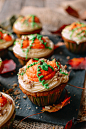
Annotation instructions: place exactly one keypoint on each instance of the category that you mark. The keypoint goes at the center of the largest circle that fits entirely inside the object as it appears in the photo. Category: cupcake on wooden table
(6, 40)
(27, 25)
(43, 81)
(7, 111)
(74, 36)
(32, 46)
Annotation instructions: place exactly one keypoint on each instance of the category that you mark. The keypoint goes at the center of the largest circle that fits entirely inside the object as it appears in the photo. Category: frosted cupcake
(6, 40)
(74, 36)
(27, 25)
(32, 46)
(7, 111)
(43, 81)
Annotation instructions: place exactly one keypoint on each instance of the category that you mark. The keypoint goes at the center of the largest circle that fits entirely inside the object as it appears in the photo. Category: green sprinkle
(35, 58)
(51, 67)
(40, 77)
(28, 66)
(57, 65)
(42, 60)
(44, 67)
(22, 73)
(64, 73)
(42, 82)
(21, 43)
(15, 42)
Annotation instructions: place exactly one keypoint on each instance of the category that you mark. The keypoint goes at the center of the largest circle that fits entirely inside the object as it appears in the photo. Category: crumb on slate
(36, 107)
(68, 57)
(29, 108)
(17, 107)
(9, 91)
(24, 97)
(15, 85)
(17, 92)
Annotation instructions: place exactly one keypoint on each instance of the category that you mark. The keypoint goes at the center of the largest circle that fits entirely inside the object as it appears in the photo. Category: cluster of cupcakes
(40, 79)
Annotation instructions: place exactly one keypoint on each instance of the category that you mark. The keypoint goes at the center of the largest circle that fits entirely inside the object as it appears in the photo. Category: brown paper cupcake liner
(74, 47)
(46, 97)
(9, 123)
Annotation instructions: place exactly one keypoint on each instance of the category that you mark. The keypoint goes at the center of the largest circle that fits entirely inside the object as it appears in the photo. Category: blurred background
(53, 14)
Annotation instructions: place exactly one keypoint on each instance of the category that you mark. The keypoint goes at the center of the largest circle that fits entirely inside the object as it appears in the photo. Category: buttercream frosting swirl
(24, 25)
(37, 86)
(33, 53)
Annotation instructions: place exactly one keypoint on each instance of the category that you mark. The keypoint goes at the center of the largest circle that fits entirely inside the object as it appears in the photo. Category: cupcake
(7, 111)
(43, 81)
(6, 40)
(74, 37)
(27, 25)
(32, 46)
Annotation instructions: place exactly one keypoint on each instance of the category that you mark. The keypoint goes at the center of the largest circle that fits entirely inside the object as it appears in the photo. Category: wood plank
(10, 8)
(36, 3)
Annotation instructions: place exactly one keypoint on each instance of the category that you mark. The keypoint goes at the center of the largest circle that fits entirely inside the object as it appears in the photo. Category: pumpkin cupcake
(43, 81)
(74, 36)
(6, 40)
(32, 46)
(27, 25)
(7, 111)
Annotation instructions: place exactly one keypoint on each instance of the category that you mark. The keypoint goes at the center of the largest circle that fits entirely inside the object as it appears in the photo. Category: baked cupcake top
(75, 32)
(7, 108)
(6, 39)
(42, 75)
(33, 46)
(27, 23)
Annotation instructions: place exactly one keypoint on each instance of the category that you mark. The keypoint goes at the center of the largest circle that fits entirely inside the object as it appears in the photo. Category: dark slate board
(68, 112)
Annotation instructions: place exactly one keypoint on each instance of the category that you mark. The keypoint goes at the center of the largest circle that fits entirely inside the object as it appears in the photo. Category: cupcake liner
(46, 97)
(74, 47)
(8, 124)
(46, 100)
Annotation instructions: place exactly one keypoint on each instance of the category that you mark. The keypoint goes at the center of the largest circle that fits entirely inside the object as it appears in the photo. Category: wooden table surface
(11, 7)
